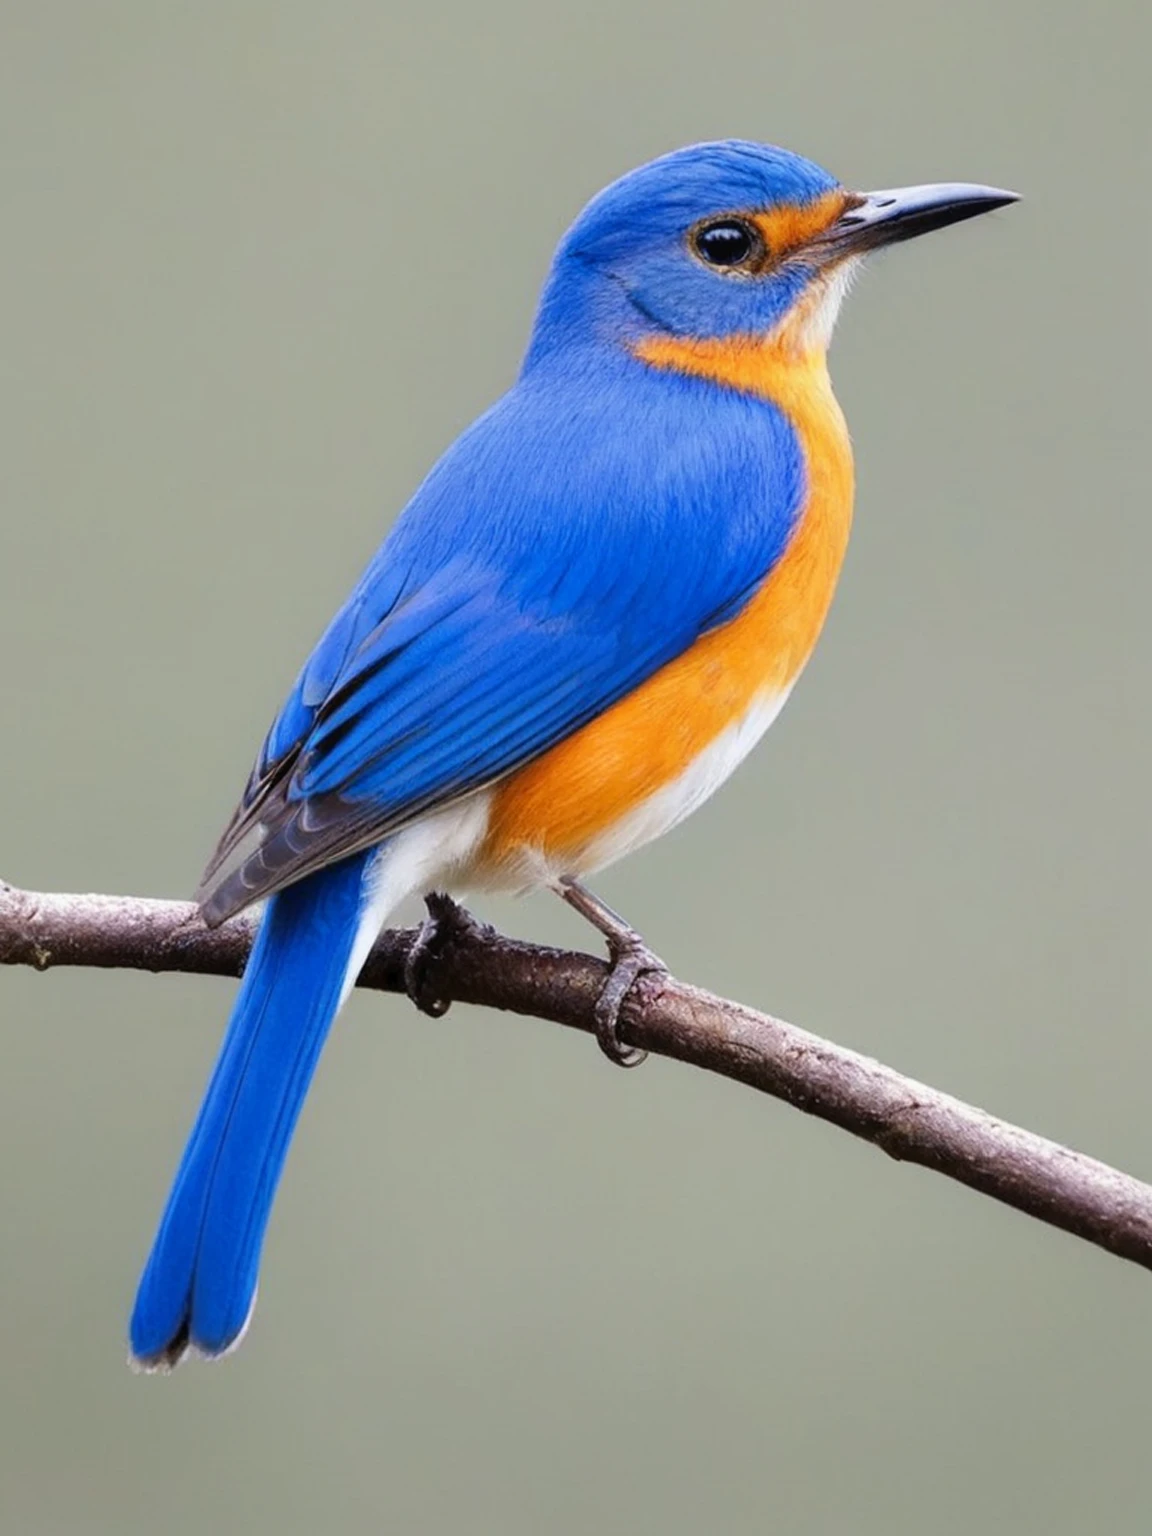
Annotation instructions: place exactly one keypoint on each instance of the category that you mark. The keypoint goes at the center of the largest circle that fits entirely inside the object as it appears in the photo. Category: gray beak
(875, 219)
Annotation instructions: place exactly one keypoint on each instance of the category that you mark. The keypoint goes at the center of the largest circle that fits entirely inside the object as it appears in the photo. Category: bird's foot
(630, 959)
(445, 923)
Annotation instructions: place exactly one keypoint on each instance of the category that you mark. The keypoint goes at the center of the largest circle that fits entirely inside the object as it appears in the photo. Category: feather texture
(200, 1281)
(497, 620)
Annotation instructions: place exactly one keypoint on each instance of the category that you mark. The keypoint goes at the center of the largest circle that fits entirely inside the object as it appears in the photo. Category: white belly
(669, 805)
(438, 850)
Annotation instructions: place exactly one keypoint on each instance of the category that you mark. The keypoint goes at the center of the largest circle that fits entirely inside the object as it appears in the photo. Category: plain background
(259, 264)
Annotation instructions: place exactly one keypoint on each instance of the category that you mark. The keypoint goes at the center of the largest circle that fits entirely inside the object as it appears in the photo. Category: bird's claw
(445, 922)
(631, 959)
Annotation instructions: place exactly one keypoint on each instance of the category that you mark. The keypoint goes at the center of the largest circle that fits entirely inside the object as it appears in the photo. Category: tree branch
(474, 964)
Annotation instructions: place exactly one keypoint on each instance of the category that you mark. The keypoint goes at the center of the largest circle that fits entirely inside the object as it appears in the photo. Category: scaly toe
(445, 921)
(631, 959)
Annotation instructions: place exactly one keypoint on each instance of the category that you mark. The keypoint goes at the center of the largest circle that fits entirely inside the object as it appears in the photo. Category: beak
(875, 219)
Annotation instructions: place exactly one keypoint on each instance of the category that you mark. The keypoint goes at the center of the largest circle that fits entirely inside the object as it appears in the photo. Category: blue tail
(199, 1284)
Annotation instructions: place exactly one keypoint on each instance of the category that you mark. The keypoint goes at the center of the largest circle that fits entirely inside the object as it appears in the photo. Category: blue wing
(561, 552)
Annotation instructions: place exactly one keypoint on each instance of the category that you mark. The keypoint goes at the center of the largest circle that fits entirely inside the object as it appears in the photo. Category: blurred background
(260, 263)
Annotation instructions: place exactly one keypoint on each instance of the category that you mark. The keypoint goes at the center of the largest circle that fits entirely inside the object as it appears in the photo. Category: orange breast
(565, 799)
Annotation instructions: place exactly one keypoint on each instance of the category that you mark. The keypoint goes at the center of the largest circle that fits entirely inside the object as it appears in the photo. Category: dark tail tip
(162, 1362)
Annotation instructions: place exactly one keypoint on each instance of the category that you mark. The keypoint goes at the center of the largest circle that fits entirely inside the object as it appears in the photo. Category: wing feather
(533, 581)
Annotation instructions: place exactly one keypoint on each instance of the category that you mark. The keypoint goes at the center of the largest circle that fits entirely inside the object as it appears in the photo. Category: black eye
(726, 243)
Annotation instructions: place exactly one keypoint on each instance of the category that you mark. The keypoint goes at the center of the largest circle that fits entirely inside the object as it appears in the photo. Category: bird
(588, 614)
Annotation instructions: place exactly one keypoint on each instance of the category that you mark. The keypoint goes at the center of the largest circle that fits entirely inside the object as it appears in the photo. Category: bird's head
(731, 239)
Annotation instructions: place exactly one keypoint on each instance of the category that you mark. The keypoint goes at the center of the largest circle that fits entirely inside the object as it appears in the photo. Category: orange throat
(564, 805)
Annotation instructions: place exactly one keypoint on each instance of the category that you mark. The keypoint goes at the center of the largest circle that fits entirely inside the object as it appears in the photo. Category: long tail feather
(199, 1284)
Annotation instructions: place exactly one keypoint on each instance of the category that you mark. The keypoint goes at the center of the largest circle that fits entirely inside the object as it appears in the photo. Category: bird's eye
(726, 243)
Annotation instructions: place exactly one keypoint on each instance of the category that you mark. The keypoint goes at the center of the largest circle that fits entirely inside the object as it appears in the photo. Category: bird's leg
(445, 921)
(631, 958)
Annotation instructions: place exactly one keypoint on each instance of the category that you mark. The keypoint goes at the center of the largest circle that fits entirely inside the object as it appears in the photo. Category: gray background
(260, 263)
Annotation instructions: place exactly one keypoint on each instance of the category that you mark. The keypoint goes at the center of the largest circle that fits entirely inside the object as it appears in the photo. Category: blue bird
(590, 611)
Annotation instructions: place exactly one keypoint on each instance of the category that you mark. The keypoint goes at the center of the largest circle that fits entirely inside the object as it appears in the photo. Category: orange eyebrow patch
(793, 224)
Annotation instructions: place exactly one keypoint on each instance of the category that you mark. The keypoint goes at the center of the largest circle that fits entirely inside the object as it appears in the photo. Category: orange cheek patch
(786, 228)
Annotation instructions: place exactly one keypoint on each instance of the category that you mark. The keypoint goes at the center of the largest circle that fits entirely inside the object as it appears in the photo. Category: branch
(474, 964)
